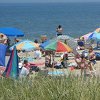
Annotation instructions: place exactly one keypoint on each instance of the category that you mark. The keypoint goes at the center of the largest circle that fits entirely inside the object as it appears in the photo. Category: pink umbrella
(86, 35)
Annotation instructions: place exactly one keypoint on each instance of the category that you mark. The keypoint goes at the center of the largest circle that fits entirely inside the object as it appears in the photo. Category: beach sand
(41, 63)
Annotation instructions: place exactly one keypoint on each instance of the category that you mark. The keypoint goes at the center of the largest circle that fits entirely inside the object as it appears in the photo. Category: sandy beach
(41, 63)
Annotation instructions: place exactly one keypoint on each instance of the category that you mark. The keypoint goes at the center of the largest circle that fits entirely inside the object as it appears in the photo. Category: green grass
(50, 88)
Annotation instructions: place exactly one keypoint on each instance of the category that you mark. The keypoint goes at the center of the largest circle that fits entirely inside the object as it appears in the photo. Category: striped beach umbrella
(58, 46)
(86, 36)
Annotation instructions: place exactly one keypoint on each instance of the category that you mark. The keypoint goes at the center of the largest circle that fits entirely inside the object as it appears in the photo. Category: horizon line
(51, 2)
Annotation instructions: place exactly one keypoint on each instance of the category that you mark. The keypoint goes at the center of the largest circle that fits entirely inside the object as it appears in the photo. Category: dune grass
(50, 88)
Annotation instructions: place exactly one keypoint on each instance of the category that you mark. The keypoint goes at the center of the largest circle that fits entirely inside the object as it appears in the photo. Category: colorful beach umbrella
(86, 36)
(58, 46)
(12, 69)
(11, 31)
(95, 35)
(69, 40)
(26, 45)
(44, 44)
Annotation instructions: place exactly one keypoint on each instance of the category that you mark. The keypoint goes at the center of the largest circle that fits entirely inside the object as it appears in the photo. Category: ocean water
(42, 18)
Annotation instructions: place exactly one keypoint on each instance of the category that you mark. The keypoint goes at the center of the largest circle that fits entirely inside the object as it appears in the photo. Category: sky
(41, 1)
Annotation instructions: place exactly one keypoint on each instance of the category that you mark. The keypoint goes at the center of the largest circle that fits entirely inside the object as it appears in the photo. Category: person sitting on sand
(83, 64)
(78, 60)
(25, 69)
(37, 54)
(47, 61)
(81, 43)
(92, 56)
(57, 64)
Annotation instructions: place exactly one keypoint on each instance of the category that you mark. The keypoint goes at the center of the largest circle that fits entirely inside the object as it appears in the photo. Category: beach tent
(12, 69)
(11, 32)
(2, 54)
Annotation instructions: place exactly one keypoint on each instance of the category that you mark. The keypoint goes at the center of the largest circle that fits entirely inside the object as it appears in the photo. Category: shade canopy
(11, 32)
(58, 46)
(26, 45)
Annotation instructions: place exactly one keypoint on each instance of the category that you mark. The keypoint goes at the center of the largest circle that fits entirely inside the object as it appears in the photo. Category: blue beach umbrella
(95, 35)
(26, 45)
(11, 32)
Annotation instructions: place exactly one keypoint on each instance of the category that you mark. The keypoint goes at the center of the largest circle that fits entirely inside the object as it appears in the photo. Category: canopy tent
(11, 32)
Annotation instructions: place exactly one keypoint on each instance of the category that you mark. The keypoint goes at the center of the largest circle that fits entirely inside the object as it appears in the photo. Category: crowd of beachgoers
(82, 58)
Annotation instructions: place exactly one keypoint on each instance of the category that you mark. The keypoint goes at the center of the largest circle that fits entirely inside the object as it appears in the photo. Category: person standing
(59, 30)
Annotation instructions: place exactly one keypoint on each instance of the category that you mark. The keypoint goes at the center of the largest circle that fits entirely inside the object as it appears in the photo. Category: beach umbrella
(86, 36)
(44, 44)
(68, 40)
(63, 37)
(26, 45)
(58, 46)
(12, 69)
(11, 32)
(95, 35)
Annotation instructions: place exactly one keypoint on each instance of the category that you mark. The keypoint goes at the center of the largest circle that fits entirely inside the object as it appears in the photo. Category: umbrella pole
(53, 55)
